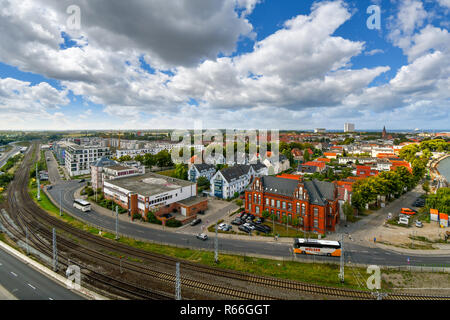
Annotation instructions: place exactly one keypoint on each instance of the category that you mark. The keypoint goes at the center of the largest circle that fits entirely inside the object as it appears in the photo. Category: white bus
(319, 247)
(82, 205)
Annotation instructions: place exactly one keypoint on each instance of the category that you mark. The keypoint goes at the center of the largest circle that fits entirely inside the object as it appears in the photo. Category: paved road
(356, 253)
(25, 283)
(8, 155)
(52, 167)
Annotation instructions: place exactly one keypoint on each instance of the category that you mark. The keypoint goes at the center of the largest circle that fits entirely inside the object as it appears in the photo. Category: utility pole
(216, 247)
(341, 272)
(177, 282)
(55, 252)
(38, 183)
(117, 223)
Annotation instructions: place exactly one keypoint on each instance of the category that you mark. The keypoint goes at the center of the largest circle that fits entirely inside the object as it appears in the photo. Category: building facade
(349, 127)
(201, 170)
(157, 193)
(312, 204)
(226, 182)
(78, 159)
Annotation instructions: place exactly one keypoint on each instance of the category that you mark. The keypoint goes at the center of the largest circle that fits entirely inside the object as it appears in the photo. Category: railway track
(28, 204)
(25, 216)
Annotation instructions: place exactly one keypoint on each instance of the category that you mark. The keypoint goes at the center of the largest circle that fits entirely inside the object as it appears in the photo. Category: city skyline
(251, 64)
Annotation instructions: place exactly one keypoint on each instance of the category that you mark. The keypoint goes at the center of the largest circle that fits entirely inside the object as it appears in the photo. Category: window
(290, 218)
(278, 215)
(284, 205)
(259, 199)
(278, 203)
(257, 210)
(316, 212)
(272, 203)
(303, 209)
(254, 198)
(316, 223)
(298, 208)
(289, 206)
(301, 221)
(267, 201)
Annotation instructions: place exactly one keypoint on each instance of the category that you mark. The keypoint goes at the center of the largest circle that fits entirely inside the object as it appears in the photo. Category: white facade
(78, 159)
(132, 152)
(349, 127)
(155, 200)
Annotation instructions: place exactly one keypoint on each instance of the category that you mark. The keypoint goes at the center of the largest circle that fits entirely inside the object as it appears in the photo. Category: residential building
(78, 159)
(201, 170)
(312, 204)
(349, 127)
(97, 170)
(226, 182)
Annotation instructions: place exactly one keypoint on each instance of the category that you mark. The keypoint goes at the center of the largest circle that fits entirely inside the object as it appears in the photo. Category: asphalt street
(8, 155)
(354, 253)
(25, 283)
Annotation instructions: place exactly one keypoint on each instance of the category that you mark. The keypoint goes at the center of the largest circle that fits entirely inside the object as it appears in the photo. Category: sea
(444, 168)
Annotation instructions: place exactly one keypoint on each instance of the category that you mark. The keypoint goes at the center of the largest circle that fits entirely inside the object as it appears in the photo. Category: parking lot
(217, 210)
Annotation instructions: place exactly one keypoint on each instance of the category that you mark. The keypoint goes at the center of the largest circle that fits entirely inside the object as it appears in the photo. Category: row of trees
(439, 201)
(388, 183)
(161, 159)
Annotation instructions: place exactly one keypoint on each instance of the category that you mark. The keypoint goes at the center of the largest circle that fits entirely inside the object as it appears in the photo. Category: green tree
(426, 186)
(203, 182)
(181, 171)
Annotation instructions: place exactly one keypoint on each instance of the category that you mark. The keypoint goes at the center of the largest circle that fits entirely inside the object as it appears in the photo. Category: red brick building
(313, 204)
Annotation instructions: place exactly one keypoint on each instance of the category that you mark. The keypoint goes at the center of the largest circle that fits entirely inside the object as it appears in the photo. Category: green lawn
(168, 173)
(321, 274)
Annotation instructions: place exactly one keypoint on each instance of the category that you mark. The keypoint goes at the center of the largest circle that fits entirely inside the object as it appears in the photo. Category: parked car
(261, 228)
(237, 221)
(243, 216)
(245, 229)
(408, 211)
(259, 220)
(202, 236)
(224, 227)
(167, 215)
(251, 217)
(250, 226)
(201, 212)
(82, 180)
(196, 222)
(419, 224)
(49, 187)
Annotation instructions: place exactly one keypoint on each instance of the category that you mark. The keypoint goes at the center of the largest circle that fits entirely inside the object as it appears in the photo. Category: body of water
(444, 168)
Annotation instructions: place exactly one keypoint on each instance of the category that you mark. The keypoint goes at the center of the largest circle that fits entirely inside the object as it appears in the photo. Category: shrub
(137, 216)
(172, 223)
(152, 218)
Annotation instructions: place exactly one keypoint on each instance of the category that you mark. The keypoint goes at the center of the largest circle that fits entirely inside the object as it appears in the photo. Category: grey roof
(235, 172)
(103, 162)
(258, 166)
(150, 184)
(319, 191)
(204, 167)
(307, 169)
(280, 186)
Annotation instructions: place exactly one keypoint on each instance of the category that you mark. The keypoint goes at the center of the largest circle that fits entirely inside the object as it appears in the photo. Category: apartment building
(78, 158)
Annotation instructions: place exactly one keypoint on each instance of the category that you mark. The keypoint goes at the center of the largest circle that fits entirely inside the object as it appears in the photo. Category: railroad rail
(25, 216)
(34, 211)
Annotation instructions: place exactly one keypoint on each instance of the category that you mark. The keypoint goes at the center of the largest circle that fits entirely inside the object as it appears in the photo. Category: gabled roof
(203, 167)
(319, 191)
(235, 172)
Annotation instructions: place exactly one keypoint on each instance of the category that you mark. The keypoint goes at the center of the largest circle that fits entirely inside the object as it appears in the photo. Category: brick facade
(312, 217)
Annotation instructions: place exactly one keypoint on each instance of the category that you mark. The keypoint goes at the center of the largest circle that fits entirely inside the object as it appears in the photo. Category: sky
(244, 64)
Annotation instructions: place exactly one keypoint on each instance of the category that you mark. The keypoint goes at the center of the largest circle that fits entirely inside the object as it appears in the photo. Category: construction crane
(119, 134)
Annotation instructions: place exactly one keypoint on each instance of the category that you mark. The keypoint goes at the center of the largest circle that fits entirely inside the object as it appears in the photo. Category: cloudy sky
(275, 64)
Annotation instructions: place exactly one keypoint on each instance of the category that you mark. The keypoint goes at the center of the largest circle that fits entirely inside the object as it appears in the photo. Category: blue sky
(229, 64)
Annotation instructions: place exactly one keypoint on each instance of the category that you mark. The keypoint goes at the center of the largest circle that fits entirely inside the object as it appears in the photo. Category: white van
(403, 220)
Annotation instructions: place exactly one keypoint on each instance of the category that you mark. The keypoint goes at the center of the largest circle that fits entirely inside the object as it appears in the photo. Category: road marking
(34, 288)
(50, 299)
(15, 275)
